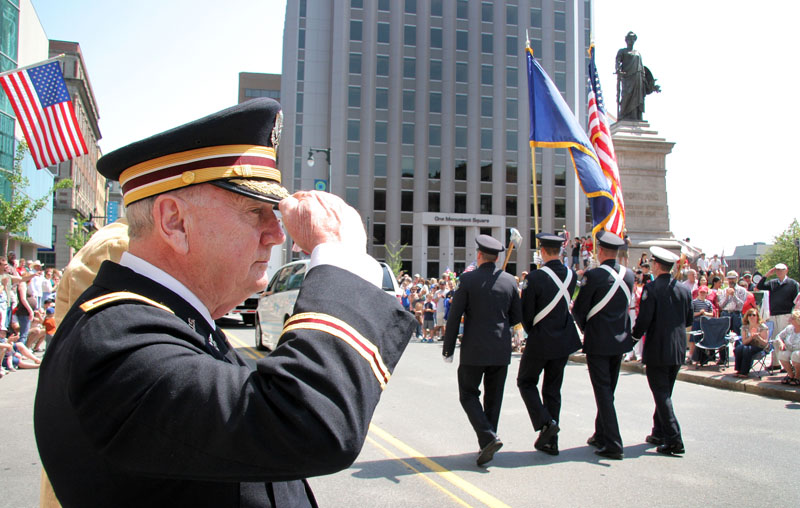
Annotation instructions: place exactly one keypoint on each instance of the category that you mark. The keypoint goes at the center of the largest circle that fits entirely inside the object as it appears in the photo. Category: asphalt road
(741, 449)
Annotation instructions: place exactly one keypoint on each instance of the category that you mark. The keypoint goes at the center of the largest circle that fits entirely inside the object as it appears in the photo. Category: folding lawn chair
(715, 336)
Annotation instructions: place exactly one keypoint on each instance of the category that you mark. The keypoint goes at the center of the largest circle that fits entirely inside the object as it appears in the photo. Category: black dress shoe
(488, 451)
(592, 441)
(671, 449)
(609, 454)
(654, 440)
(548, 448)
(546, 434)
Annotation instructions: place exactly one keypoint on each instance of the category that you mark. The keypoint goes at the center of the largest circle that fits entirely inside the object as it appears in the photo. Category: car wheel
(249, 319)
(259, 340)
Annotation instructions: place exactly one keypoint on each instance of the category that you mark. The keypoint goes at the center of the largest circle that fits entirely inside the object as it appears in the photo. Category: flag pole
(37, 64)
(533, 171)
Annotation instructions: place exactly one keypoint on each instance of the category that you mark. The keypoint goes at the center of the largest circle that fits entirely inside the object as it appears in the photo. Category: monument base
(641, 158)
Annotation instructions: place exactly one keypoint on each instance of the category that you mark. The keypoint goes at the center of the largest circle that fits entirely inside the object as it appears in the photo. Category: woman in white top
(787, 344)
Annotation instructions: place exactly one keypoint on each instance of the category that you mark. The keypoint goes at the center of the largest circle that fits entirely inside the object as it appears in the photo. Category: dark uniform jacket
(555, 336)
(488, 299)
(665, 311)
(781, 296)
(609, 331)
(137, 407)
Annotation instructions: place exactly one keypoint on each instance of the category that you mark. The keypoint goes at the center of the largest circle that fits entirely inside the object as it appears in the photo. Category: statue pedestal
(641, 157)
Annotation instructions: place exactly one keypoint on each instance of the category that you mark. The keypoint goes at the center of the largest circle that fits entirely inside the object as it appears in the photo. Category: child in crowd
(428, 319)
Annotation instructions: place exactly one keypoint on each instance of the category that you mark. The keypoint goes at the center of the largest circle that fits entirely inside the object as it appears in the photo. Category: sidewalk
(721, 377)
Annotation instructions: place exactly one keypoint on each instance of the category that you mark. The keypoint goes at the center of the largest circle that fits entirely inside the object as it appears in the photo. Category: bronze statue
(634, 81)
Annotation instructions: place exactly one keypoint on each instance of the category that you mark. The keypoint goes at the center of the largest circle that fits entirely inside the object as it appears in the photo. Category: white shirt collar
(158, 275)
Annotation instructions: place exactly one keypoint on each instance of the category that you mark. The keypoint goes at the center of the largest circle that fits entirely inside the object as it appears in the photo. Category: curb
(723, 382)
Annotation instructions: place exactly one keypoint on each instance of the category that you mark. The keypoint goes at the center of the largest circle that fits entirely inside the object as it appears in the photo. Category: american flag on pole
(44, 110)
(600, 134)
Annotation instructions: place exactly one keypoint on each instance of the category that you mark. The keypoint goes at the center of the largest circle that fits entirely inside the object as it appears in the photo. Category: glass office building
(423, 106)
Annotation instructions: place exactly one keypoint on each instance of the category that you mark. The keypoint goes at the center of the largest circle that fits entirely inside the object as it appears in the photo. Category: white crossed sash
(618, 283)
(563, 292)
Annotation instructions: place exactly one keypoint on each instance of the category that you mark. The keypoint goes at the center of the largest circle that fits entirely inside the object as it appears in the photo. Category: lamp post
(310, 161)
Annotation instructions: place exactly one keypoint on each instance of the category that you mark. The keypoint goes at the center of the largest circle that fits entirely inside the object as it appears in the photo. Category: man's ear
(169, 217)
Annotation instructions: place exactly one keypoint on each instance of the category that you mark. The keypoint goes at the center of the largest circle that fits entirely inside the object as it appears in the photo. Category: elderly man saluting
(141, 399)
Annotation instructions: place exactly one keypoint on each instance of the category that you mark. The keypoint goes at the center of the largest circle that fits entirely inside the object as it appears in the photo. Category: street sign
(321, 185)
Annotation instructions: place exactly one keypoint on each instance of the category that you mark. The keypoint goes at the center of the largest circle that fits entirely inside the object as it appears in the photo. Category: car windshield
(387, 280)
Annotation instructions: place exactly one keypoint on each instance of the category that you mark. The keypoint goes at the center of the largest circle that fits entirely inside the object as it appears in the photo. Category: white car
(276, 303)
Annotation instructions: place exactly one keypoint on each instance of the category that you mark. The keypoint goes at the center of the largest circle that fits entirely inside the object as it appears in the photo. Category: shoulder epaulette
(101, 301)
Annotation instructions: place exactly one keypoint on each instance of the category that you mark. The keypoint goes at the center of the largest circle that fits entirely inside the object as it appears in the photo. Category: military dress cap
(233, 149)
(550, 240)
(663, 256)
(489, 245)
(609, 240)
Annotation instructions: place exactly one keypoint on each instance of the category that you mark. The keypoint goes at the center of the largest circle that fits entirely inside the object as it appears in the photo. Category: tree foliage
(78, 237)
(17, 213)
(394, 257)
(784, 250)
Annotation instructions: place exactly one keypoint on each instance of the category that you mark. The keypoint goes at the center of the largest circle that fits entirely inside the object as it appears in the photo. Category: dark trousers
(530, 368)
(743, 357)
(484, 418)
(604, 373)
(661, 379)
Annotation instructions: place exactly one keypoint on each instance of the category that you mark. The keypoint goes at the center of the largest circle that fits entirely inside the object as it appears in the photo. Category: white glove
(448, 359)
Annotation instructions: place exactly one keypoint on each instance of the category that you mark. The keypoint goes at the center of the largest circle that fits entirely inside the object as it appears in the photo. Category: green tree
(394, 257)
(18, 212)
(78, 237)
(784, 250)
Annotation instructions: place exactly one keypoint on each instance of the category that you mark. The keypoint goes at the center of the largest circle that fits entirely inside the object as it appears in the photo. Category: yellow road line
(391, 455)
(249, 351)
(446, 474)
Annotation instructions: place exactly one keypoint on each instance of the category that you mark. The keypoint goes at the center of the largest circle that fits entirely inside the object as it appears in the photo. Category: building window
(436, 37)
(512, 108)
(559, 21)
(407, 201)
(436, 7)
(406, 235)
(408, 100)
(303, 8)
(462, 9)
(511, 172)
(409, 68)
(436, 102)
(486, 12)
(433, 202)
(560, 210)
(380, 131)
(384, 32)
(511, 141)
(382, 65)
(299, 105)
(357, 4)
(355, 63)
(435, 135)
(351, 197)
(352, 164)
(380, 200)
(560, 49)
(487, 75)
(536, 17)
(380, 165)
(461, 203)
(560, 80)
(461, 137)
(560, 168)
(511, 14)
(511, 205)
(512, 45)
(462, 73)
(462, 40)
(301, 70)
(355, 30)
(383, 5)
(461, 171)
(407, 171)
(487, 43)
(408, 134)
(379, 234)
(411, 6)
(459, 236)
(354, 96)
(461, 104)
(486, 172)
(433, 236)
(486, 139)
(301, 39)
(410, 35)
(434, 167)
(486, 106)
(353, 130)
(511, 76)
(436, 70)
(433, 269)
(486, 203)
(381, 98)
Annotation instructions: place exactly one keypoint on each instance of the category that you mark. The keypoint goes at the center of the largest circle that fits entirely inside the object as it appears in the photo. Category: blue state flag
(554, 126)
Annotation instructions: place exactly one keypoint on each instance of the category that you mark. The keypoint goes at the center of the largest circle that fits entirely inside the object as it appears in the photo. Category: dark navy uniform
(141, 403)
(665, 311)
(550, 342)
(488, 299)
(607, 335)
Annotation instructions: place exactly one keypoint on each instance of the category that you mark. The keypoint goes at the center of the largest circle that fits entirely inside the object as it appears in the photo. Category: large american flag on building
(600, 135)
(44, 110)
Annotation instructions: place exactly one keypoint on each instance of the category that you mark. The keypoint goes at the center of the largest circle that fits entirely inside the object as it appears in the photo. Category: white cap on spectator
(732, 275)
(781, 266)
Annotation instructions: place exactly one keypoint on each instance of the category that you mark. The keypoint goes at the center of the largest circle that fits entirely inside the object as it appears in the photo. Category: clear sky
(724, 67)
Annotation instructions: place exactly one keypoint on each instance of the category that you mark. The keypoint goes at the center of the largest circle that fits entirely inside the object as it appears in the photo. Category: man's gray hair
(140, 213)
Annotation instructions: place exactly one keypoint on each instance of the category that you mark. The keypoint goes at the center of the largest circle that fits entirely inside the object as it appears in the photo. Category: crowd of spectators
(27, 311)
